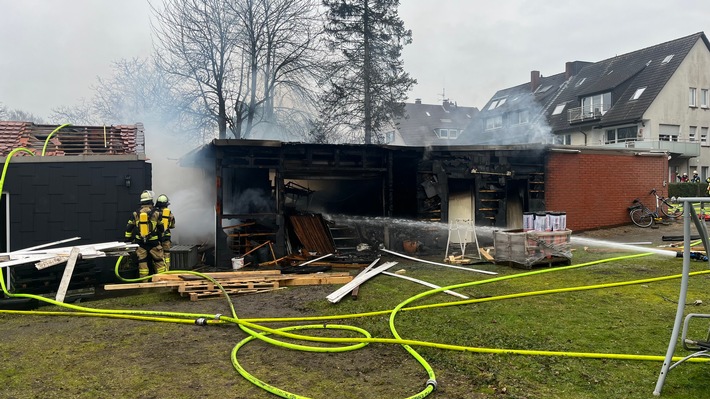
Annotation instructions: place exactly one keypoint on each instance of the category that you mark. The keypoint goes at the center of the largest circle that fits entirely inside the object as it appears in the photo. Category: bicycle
(667, 206)
(643, 216)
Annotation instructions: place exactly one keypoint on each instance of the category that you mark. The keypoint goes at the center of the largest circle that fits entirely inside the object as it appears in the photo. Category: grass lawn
(45, 356)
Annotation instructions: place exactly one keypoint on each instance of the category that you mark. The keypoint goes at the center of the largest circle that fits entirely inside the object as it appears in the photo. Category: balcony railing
(581, 114)
(684, 148)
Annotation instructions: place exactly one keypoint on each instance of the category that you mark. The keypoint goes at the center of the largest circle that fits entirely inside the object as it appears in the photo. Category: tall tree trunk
(367, 75)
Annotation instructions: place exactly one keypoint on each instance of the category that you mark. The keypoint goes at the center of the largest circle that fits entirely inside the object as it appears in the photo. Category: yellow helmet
(162, 200)
(146, 197)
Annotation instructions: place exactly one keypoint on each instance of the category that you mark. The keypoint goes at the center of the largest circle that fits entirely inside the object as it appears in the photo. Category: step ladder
(345, 238)
(462, 232)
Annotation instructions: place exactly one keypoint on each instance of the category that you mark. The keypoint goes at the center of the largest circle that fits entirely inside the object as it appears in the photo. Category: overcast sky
(51, 51)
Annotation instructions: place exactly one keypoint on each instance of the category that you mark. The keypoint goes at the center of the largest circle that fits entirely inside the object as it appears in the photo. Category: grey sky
(51, 51)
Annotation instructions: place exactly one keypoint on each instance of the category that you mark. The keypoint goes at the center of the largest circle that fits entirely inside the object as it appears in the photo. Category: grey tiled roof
(621, 76)
(418, 125)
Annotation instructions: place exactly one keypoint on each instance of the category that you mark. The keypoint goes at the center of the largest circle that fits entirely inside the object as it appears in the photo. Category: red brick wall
(595, 190)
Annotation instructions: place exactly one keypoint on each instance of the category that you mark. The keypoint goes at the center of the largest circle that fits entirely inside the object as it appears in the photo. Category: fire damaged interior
(319, 199)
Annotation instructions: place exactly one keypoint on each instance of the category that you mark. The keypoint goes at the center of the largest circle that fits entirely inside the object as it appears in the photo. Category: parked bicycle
(643, 216)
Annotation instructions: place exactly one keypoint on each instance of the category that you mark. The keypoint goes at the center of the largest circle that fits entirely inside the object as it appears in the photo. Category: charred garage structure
(322, 197)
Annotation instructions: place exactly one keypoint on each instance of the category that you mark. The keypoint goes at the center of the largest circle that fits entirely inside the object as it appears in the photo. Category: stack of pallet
(234, 283)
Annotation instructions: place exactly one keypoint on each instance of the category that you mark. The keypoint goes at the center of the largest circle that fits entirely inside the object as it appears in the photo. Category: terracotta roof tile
(72, 140)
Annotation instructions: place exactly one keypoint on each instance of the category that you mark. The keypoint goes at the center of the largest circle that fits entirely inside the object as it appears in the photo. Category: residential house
(654, 100)
(430, 124)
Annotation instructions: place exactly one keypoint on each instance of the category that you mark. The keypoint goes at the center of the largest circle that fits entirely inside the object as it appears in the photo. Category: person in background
(145, 229)
(684, 178)
(695, 178)
(168, 221)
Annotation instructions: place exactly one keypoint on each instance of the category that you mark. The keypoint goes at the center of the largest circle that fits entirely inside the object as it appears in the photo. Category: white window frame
(494, 122)
(692, 131)
(638, 93)
(692, 97)
(704, 136)
(703, 98)
(559, 108)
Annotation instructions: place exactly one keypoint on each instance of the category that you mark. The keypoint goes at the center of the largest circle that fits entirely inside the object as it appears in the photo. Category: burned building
(303, 196)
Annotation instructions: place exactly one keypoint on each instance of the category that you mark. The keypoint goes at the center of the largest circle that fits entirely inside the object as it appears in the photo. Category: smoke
(521, 120)
(190, 191)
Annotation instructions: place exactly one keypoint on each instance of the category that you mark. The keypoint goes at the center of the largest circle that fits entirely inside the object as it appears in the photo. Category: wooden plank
(485, 252)
(315, 280)
(215, 275)
(196, 296)
(68, 271)
(131, 286)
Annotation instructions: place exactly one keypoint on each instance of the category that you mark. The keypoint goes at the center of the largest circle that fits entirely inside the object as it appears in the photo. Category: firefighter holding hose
(167, 219)
(145, 229)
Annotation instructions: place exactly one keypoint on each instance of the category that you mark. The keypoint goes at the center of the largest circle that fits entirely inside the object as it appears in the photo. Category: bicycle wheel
(641, 217)
(670, 209)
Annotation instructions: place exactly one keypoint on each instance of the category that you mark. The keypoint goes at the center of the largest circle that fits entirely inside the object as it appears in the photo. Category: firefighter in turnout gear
(145, 229)
(168, 221)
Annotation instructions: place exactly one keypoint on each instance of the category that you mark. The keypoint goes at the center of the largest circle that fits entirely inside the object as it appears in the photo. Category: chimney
(446, 102)
(569, 69)
(417, 101)
(534, 80)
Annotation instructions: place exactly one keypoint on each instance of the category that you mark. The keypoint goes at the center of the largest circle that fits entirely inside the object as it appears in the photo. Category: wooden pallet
(233, 283)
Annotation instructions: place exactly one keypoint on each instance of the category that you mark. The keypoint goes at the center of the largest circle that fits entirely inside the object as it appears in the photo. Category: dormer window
(595, 106)
(445, 133)
(495, 122)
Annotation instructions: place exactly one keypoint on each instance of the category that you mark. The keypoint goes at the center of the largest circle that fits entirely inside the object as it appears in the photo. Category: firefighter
(145, 229)
(168, 220)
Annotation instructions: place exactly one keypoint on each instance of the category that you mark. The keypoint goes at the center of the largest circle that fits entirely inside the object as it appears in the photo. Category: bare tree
(367, 85)
(238, 56)
(18, 115)
(138, 91)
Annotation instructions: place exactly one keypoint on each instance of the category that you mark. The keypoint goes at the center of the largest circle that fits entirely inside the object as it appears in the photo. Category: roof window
(580, 82)
(497, 103)
(638, 93)
(667, 59)
(559, 108)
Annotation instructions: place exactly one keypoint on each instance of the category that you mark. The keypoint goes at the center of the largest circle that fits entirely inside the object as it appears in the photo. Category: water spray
(627, 247)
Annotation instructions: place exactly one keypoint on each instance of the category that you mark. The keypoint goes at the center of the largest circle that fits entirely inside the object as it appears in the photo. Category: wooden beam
(68, 271)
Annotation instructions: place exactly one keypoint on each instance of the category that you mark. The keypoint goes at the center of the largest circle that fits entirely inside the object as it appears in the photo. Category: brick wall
(595, 190)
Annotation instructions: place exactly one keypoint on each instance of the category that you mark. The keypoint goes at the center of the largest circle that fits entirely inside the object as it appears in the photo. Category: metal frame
(688, 216)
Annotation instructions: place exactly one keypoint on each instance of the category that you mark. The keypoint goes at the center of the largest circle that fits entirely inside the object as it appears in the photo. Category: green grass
(89, 358)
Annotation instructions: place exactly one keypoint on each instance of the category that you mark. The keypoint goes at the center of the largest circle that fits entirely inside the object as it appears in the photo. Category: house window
(692, 132)
(494, 122)
(668, 132)
(691, 97)
(595, 106)
(621, 135)
(703, 98)
(559, 108)
(519, 117)
(389, 137)
(704, 173)
(563, 139)
(638, 93)
(704, 136)
(447, 133)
